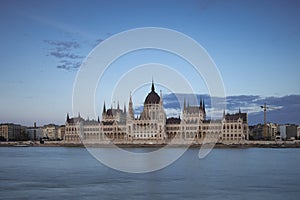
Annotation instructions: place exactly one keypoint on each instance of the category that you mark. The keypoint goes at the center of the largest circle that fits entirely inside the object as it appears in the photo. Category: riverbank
(246, 144)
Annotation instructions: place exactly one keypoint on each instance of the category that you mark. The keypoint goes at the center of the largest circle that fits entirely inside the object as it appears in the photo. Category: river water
(72, 173)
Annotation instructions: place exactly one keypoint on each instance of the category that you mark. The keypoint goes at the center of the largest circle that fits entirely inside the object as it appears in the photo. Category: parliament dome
(152, 97)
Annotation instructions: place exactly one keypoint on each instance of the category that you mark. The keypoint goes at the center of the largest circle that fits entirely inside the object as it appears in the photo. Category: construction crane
(265, 108)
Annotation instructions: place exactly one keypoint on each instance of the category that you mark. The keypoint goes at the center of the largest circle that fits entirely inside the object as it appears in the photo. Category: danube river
(72, 173)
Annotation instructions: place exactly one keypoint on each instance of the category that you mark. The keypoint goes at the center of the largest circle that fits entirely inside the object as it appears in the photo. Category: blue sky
(255, 45)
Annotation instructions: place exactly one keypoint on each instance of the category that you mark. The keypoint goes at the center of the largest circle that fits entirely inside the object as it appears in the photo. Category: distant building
(61, 133)
(34, 132)
(288, 131)
(282, 130)
(291, 131)
(12, 132)
(152, 126)
(272, 130)
(51, 132)
(257, 132)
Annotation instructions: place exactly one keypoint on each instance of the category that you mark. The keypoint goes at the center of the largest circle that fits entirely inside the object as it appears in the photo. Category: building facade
(34, 133)
(272, 132)
(120, 126)
(12, 132)
(288, 131)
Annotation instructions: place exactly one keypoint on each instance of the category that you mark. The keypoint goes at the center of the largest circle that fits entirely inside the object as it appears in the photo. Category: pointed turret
(124, 108)
(201, 104)
(152, 87)
(68, 118)
(161, 100)
(184, 104)
(98, 119)
(104, 108)
(130, 114)
(104, 112)
(118, 108)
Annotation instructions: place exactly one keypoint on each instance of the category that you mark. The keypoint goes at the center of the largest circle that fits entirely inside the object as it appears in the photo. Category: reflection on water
(72, 173)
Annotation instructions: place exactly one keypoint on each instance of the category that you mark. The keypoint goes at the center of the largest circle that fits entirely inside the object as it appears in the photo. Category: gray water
(72, 173)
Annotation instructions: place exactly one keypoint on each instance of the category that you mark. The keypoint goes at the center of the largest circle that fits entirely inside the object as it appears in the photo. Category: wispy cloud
(66, 52)
(59, 54)
(63, 51)
(101, 39)
(64, 45)
(68, 65)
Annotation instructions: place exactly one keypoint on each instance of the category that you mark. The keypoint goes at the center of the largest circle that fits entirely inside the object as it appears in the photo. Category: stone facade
(120, 126)
(12, 132)
(53, 132)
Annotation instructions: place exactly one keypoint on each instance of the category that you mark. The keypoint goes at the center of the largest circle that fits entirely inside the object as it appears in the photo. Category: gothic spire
(68, 118)
(130, 99)
(201, 104)
(104, 108)
(161, 100)
(130, 113)
(152, 87)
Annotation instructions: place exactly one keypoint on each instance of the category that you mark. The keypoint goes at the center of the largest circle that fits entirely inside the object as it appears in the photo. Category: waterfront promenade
(246, 144)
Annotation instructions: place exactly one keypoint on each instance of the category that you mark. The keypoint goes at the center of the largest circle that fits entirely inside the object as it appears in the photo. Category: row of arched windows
(235, 126)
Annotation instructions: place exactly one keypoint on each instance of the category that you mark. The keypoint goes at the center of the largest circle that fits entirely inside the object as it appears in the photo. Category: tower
(130, 114)
(68, 118)
(104, 111)
(161, 100)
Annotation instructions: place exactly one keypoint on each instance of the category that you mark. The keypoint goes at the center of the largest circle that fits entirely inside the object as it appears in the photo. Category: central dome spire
(152, 87)
(152, 97)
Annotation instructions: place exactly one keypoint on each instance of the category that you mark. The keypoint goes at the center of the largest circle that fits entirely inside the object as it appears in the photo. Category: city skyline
(255, 46)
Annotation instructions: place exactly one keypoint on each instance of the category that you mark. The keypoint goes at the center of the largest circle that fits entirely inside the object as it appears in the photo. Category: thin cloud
(63, 44)
(101, 39)
(63, 51)
(59, 54)
(68, 65)
(98, 41)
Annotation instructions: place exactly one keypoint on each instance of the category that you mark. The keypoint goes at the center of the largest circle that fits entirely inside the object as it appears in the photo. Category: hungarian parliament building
(120, 126)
